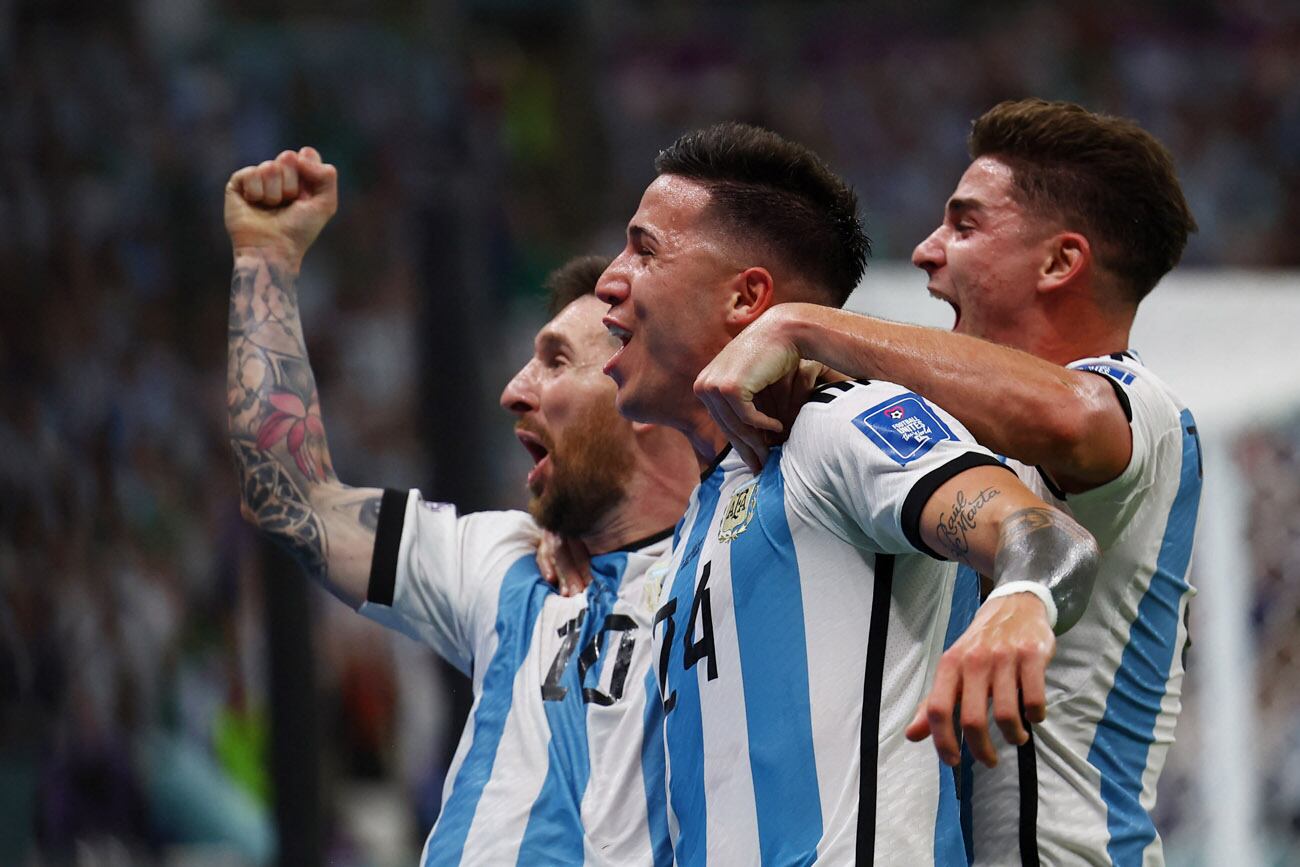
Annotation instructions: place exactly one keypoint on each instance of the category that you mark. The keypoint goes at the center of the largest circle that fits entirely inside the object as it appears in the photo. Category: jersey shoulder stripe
(683, 724)
(447, 841)
(769, 614)
(1132, 708)
(653, 773)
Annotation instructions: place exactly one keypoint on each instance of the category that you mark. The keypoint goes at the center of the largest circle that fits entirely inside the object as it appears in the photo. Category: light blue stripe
(518, 606)
(965, 602)
(652, 771)
(554, 832)
(949, 844)
(1124, 735)
(683, 728)
(768, 599)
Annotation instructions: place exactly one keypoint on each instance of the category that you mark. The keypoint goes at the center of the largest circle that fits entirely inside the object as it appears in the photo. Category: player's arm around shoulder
(1043, 565)
(1067, 421)
(288, 487)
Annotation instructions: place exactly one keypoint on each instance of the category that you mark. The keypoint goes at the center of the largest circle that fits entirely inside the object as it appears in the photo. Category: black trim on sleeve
(1120, 393)
(1027, 766)
(645, 541)
(822, 393)
(869, 749)
(931, 482)
(388, 540)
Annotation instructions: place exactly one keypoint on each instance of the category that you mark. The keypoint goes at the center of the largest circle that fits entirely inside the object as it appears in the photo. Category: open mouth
(538, 450)
(622, 335)
(956, 308)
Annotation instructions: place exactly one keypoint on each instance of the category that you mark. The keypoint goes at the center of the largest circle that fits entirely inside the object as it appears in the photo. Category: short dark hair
(780, 194)
(1103, 176)
(572, 280)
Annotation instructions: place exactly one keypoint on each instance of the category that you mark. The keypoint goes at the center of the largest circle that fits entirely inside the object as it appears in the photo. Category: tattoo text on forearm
(954, 527)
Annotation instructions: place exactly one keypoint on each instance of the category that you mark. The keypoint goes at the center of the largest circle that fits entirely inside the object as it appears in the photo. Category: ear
(1069, 257)
(751, 295)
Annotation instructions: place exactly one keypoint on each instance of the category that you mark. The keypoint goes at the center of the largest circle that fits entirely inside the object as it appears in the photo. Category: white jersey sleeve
(1083, 787)
(865, 458)
(1155, 426)
(436, 575)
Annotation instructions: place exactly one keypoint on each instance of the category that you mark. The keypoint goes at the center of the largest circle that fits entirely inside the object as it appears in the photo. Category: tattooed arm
(287, 482)
(1043, 565)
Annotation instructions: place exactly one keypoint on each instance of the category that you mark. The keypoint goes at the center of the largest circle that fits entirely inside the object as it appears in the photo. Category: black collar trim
(722, 456)
(645, 541)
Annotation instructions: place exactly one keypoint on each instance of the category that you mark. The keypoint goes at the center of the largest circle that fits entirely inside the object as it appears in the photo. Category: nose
(928, 254)
(520, 394)
(613, 287)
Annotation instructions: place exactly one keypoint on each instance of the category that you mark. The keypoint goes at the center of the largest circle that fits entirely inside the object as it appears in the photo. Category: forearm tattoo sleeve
(276, 433)
(1048, 547)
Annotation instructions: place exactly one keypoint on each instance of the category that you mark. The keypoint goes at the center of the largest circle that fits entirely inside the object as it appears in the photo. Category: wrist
(269, 253)
(1030, 587)
(792, 324)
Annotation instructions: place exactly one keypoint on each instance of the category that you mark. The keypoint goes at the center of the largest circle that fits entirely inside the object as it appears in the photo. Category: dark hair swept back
(572, 280)
(1103, 176)
(780, 194)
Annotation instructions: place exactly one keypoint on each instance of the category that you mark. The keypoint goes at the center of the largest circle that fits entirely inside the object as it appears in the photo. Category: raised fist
(279, 207)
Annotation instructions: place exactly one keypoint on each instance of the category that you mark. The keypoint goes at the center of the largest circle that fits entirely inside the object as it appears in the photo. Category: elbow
(1067, 417)
(1074, 588)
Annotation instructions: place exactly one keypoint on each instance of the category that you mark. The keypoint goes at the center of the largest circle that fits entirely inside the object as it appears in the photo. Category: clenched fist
(278, 207)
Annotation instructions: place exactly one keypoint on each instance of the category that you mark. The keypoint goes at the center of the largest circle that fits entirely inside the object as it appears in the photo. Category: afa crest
(739, 512)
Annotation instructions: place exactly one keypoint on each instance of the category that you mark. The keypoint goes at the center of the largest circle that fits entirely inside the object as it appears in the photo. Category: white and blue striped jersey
(561, 761)
(799, 627)
(1080, 792)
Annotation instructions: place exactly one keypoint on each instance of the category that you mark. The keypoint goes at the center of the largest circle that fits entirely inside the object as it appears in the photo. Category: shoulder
(897, 422)
(1144, 396)
(478, 534)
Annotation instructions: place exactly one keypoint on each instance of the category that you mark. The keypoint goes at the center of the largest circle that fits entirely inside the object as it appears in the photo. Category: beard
(590, 468)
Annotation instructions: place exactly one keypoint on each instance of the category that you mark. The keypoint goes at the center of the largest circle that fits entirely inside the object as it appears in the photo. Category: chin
(628, 406)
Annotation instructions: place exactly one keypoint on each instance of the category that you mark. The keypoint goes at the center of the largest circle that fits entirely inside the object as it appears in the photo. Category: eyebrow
(549, 340)
(639, 234)
(961, 206)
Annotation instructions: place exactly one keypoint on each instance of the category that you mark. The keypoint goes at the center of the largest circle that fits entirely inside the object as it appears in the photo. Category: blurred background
(171, 692)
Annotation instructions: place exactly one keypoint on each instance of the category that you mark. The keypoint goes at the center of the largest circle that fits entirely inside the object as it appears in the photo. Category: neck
(655, 498)
(625, 524)
(706, 438)
(1070, 329)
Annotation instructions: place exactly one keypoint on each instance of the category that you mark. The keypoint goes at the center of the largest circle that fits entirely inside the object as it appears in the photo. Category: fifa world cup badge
(739, 512)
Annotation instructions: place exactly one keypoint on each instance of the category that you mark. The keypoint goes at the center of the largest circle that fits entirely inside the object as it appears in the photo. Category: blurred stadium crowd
(133, 709)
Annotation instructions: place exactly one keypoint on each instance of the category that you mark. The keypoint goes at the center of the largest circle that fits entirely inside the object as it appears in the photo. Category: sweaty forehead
(578, 329)
(670, 204)
(987, 183)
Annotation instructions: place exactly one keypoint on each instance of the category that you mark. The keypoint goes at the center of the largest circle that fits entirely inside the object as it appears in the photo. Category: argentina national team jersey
(799, 627)
(561, 761)
(1081, 791)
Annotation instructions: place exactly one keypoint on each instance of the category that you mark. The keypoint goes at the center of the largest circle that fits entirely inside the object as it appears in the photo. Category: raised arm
(288, 487)
(1043, 565)
(1068, 422)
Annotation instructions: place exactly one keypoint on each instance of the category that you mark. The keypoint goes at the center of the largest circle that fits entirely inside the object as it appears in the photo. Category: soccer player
(561, 760)
(1061, 225)
(807, 605)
